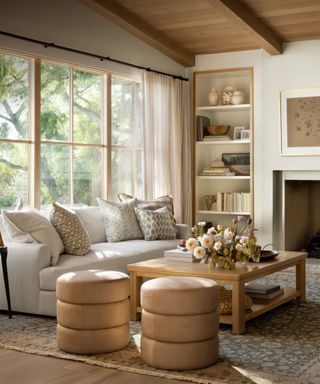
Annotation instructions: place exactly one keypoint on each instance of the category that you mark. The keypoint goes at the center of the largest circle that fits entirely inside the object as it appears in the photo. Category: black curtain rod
(101, 58)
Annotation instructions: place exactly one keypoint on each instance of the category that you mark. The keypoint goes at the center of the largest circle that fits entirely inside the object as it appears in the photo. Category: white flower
(191, 244)
(244, 240)
(228, 234)
(239, 247)
(199, 252)
(211, 231)
(206, 241)
(217, 245)
(219, 227)
(201, 223)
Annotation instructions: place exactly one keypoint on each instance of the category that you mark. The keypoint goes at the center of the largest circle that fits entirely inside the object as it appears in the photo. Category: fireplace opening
(301, 216)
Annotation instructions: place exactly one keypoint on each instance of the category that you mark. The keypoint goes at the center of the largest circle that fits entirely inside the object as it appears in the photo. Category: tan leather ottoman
(180, 322)
(92, 311)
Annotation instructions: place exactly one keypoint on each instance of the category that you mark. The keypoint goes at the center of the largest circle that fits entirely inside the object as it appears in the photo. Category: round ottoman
(180, 322)
(92, 311)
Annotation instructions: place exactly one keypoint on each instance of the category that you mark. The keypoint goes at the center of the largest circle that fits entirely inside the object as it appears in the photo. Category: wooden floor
(24, 368)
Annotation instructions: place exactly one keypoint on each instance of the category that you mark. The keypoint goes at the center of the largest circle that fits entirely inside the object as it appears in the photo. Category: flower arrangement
(223, 247)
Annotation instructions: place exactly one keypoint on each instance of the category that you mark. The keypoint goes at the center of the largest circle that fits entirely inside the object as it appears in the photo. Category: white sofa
(32, 279)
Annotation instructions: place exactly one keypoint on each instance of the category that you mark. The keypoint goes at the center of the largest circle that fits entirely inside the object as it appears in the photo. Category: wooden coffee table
(236, 278)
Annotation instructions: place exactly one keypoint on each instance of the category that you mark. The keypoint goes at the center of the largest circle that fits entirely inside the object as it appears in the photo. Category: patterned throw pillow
(74, 236)
(120, 221)
(156, 225)
(151, 205)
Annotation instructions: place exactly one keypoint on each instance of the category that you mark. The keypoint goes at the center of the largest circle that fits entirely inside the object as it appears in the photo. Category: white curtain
(167, 141)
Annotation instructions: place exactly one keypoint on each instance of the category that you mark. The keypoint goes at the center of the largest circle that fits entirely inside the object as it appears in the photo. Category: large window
(14, 129)
(71, 135)
(70, 150)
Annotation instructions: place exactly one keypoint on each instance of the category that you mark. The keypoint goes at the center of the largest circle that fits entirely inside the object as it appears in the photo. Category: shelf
(223, 177)
(223, 142)
(224, 213)
(225, 108)
(258, 309)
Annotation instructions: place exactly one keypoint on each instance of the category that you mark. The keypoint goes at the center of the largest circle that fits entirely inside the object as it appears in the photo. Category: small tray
(268, 255)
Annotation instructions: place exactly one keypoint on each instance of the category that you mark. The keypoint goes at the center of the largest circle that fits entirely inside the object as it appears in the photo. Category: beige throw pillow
(29, 225)
(151, 205)
(74, 236)
(156, 225)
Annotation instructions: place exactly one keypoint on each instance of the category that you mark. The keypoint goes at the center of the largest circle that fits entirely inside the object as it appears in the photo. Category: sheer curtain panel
(167, 141)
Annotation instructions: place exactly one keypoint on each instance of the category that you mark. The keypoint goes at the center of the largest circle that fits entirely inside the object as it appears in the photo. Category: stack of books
(179, 255)
(216, 138)
(263, 291)
(216, 171)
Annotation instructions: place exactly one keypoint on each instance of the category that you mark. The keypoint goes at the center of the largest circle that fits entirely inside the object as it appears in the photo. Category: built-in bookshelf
(234, 188)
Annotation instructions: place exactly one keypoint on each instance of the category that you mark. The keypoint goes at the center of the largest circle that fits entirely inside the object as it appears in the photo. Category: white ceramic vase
(213, 96)
(237, 98)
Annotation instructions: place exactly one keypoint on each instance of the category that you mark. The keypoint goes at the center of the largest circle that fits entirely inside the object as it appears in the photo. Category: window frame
(34, 127)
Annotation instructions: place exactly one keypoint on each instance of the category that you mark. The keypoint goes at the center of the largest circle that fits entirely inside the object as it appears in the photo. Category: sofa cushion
(120, 220)
(156, 225)
(152, 205)
(108, 256)
(92, 219)
(75, 238)
(34, 226)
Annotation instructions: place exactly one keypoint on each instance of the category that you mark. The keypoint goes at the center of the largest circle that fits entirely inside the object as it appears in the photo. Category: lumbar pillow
(93, 222)
(156, 225)
(74, 236)
(30, 225)
(120, 221)
(151, 205)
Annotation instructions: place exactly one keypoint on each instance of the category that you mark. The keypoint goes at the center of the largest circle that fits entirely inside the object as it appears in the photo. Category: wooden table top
(165, 267)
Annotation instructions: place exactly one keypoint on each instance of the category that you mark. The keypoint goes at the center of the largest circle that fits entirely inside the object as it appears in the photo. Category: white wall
(69, 23)
(297, 67)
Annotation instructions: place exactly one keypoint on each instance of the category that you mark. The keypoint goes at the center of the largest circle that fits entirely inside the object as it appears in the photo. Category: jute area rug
(282, 346)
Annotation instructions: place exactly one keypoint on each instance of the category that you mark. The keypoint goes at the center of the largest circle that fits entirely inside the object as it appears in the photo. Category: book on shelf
(217, 138)
(261, 288)
(266, 296)
(202, 123)
(216, 174)
(233, 202)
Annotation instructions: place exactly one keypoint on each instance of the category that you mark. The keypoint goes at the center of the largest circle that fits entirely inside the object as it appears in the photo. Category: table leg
(135, 287)
(4, 254)
(238, 308)
(301, 280)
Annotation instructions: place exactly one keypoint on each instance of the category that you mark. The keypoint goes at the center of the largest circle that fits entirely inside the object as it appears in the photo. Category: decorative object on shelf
(209, 200)
(224, 246)
(240, 170)
(225, 304)
(213, 96)
(300, 117)
(237, 98)
(236, 159)
(218, 129)
(245, 134)
(226, 96)
(237, 133)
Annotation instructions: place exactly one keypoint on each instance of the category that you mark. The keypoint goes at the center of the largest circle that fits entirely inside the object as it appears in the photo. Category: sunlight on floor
(253, 376)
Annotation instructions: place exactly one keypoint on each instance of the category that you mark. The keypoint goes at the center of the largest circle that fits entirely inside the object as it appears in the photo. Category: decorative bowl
(218, 129)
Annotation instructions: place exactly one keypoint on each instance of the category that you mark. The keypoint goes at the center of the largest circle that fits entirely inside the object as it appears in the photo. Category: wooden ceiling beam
(126, 19)
(236, 12)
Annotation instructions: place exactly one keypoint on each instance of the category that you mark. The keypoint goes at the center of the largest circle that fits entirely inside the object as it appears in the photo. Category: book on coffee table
(178, 255)
(265, 296)
(262, 289)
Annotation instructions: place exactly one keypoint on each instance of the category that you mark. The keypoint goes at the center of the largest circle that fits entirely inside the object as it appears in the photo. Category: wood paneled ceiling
(182, 29)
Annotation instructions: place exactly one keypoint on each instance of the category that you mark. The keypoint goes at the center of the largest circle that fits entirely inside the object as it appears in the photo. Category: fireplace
(296, 209)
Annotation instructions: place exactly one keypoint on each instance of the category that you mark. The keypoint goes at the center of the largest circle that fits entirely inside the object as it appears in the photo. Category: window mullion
(71, 135)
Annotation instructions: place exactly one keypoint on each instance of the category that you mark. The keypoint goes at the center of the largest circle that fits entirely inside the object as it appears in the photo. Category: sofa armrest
(25, 261)
(183, 231)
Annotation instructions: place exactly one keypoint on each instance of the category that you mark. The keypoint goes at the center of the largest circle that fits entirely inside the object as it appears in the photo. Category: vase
(213, 96)
(227, 95)
(237, 98)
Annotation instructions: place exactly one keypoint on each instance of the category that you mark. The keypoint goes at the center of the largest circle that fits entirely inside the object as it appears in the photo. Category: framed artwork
(245, 134)
(300, 122)
(237, 133)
